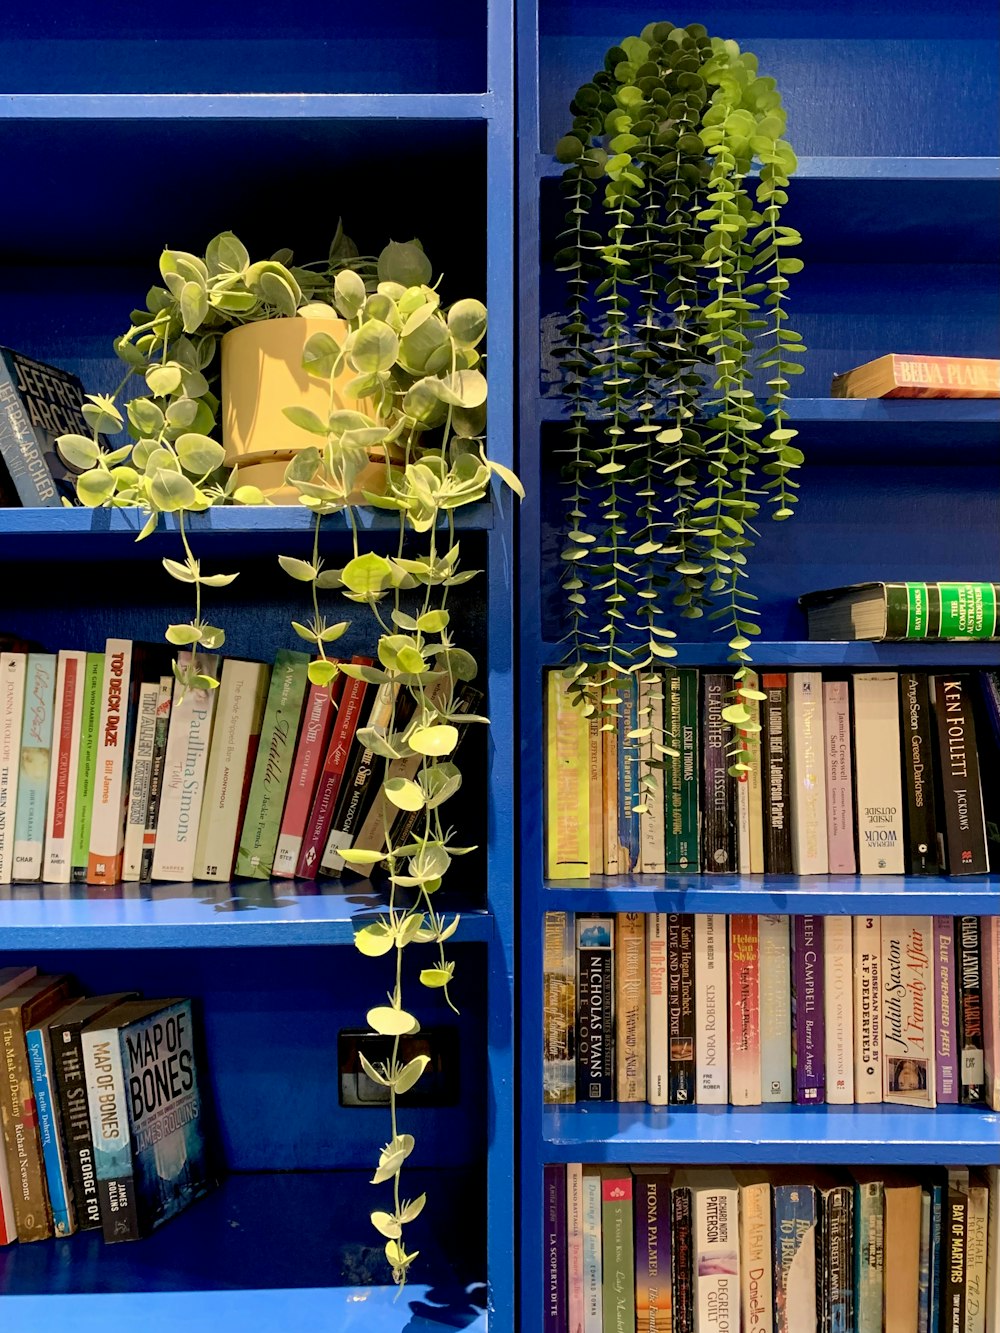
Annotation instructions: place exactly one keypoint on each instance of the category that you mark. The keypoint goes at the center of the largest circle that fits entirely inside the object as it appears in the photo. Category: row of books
(875, 773)
(794, 1250)
(102, 1113)
(686, 1009)
(111, 771)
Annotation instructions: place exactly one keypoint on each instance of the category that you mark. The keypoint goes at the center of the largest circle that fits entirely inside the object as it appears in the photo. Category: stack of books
(705, 1009)
(792, 1250)
(103, 1124)
(110, 771)
(872, 773)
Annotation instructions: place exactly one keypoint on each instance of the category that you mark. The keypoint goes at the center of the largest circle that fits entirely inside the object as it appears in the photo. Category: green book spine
(272, 770)
(673, 768)
(87, 766)
(942, 610)
(689, 842)
(618, 1246)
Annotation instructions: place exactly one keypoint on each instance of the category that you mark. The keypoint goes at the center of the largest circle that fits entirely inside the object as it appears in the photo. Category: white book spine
(808, 773)
(142, 767)
(593, 1285)
(652, 824)
(716, 1267)
(183, 786)
(107, 825)
(237, 713)
(975, 1267)
(878, 773)
(71, 672)
(774, 937)
(743, 862)
(993, 1250)
(867, 1009)
(838, 993)
(574, 1247)
(908, 1067)
(657, 1022)
(13, 670)
(710, 999)
(756, 1260)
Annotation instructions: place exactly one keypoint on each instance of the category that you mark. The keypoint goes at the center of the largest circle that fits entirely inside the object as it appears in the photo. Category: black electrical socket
(438, 1085)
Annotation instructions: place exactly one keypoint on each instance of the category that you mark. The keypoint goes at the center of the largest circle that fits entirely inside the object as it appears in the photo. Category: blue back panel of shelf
(231, 46)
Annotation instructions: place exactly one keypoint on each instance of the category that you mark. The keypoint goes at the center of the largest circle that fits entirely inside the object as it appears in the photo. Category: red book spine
(317, 724)
(64, 745)
(321, 815)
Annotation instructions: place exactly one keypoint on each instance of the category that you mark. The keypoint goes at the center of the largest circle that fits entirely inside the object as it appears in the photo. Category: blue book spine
(795, 1292)
(937, 1205)
(48, 1130)
(629, 773)
(33, 773)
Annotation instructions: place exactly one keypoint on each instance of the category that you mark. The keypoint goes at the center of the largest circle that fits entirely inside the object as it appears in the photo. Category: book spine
(630, 1006)
(466, 701)
(946, 1014)
(867, 1009)
(961, 795)
(86, 771)
(755, 778)
(109, 1127)
(954, 1242)
(972, 1072)
(618, 1250)
(689, 828)
(975, 1265)
(183, 785)
(719, 804)
(595, 1067)
(652, 828)
(612, 842)
(555, 1249)
(907, 1011)
(838, 999)
(682, 1257)
(807, 773)
(808, 1036)
(942, 610)
(744, 1011)
(40, 1063)
(142, 769)
(743, 821)
(314, 739)
(574, 1247)
(710, 991)
(13, 669)
(161, 731)
(775, 1009)
(567, 783)
(990, 951)
(673, 769)
(680, 1009)
(33, 779)
(261, 823)
(628, 779)
(993, 1249)
(756, 1268)
(32, 1215)
(869, 1256)
(107, 825)
(22, 451)
(716, 1262)
(879, 795)
(71, 670)
(593, 1284)
(937, 1225)
(839, 793)
(595, 795)
(777, 805)
(838, 1249)
(74, 1111)
(559, 1008)
(332, 778)
(795, 1259)
(657, 1021)
(917, 725)
(653, 1295)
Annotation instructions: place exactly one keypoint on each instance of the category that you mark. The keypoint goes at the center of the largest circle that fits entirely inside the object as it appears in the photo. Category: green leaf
(212, 637)
(411, 1072)
(360, 856)
(386, 1224)
(736, 714)
(101, 415)
(349, 293)
(218, 580)
(431, 622)
(333, 632)
(279, 291)
(439, 783)
(248, 495)
(320, 356)
(411, 1211)
(376, 1075)
(170, 491)
(198, 454)
(404, 794)
(321, 672)
(94, 487)
(435, 977)
(303, 570)
(183, 635)
(78, 451)
(392, 1022)
(405, 263)
(302, 417)
(181, 572)
(163, 380)
(506, 476)
(374, 940)
(467, 322)
(194, 305)
(375, 347)
(367, 574)
(438, 739)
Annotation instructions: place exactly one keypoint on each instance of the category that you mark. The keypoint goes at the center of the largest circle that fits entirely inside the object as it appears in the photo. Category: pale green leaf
(438, 739)
(391, 1022)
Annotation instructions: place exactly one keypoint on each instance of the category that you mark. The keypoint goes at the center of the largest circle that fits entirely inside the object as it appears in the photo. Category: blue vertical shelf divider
(134, 130)
(891, 110)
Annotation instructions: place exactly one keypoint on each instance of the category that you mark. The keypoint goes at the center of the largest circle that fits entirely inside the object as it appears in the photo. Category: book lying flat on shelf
(910, 375)
(899, 611)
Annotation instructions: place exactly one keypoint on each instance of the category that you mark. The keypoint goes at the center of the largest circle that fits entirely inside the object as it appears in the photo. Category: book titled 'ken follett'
(146, 1115)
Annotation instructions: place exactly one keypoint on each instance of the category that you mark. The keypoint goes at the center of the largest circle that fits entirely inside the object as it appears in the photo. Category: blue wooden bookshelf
(401, 124)
(897, 200)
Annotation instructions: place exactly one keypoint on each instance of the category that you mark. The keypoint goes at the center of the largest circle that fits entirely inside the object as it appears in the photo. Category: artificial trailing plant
(676, 356)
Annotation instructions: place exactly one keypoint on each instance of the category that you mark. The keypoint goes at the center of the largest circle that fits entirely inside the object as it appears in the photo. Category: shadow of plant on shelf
(403, 428)
(676, 360)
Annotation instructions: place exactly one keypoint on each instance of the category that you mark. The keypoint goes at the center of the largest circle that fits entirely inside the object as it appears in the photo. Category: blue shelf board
(824, 895)
(834, 653)
(768, 1135)
(949, 169)
(245, 106)
(243, 914)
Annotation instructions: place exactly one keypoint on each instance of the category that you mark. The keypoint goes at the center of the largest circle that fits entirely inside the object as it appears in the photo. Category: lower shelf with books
(262, 1251)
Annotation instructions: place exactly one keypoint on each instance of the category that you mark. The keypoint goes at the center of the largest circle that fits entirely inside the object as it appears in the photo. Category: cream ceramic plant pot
(262, 375)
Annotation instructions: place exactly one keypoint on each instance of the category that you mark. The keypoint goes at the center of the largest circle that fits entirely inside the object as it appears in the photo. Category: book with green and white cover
(13, 668)
(184, 775)
(86, 769)
(36, 754)
(272, 771)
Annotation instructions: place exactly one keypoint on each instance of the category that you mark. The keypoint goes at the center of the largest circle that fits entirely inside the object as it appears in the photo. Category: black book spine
(968, 955)
(680, 1010)
(836, 1237)
(74, 1115)
(682, 1243)
(467, 700)
(954, 1267)
(917, 731)
(155, 792)
(774, 750)
(961, 795)
(595, 1021)
(719, 803)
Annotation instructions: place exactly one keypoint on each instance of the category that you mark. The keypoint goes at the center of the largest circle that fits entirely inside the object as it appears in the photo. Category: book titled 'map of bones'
(908, 1011)
(33, 777)
(184, 767)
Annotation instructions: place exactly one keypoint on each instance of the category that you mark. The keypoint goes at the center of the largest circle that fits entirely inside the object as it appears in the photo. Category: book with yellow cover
(567, 783)
(910, 375)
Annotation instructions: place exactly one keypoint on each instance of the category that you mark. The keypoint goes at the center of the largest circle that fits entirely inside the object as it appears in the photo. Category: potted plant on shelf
(393, 414)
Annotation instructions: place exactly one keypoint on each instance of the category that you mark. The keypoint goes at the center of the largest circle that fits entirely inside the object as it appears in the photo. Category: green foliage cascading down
(676, 352)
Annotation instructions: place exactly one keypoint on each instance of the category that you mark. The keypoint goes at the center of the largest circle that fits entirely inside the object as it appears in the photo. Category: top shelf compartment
(234, 46)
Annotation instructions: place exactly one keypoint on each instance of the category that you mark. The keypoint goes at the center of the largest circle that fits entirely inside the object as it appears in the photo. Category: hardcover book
(905, 375)
(710, 994)
(753, 782)
(917, 724)
(774, 749)
(630, 1006)
(11, 979)
(838, 998)
(961, 794)
(904, 611)
(595, 985)
(744, 1011)
(908, 1076)
(867, 1009)
(71, 672)
(684, 828)
(719, 842)
(184, 765)
(946, 1014)
(86, 772)
(657, 1021)
(807, 773)
(555, 1248)
(618, 1249)
(653, 1293)
(680, 1009)
(145, 1115)
(879, 781)
(13, 669)
(774, 938)
(38, 403)
(559, 1008)
(567, 783)
(33, 774)
(808, 1034)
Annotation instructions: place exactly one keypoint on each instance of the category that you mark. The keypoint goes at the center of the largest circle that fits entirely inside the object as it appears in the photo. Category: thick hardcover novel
(680, 1009)
(38, 403)
(923, 855)
(33, 777)
(595, 988)
(908, 375)
(905, 611)
(719, 843)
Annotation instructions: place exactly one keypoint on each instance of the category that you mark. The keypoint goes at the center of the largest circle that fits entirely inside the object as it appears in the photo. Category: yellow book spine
(609, 745)
(596, 755)
(567, 784)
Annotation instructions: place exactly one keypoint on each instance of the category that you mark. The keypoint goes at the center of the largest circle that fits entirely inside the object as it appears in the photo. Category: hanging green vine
(676, 356)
